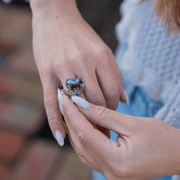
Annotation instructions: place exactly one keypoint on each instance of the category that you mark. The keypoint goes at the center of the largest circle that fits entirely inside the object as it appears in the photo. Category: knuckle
(97, 100)
(103, 113)
(113, 92)
(103, 52)
(78, 57)
(81, 137)
(53, 119)
(60, 66)
(78, 60)
(48, 101)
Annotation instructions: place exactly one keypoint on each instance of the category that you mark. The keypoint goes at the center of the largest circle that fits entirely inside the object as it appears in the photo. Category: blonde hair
(169, 11)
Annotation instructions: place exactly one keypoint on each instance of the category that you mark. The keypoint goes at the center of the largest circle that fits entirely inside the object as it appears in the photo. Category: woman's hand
(146, 148)
(65, 47)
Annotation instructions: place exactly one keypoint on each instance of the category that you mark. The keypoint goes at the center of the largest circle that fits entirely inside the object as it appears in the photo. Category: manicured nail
(61, 103)
(80, 102)
(127, 98)
(59, 138)
(61, 109)
(60, 99)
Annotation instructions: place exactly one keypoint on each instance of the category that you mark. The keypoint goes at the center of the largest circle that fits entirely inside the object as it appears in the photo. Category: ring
(75, 86)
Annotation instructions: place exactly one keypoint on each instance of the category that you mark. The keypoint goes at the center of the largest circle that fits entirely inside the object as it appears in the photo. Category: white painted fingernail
(61, 103)
(61, 109)
(59, 138)
(60, 99)
(127, 98)
(80, 102)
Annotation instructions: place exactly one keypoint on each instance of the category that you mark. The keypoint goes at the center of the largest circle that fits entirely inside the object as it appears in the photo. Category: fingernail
(61, 109)
(59, 138)
(61, 103)
(60, 99)
(80, 102)
(127, 98)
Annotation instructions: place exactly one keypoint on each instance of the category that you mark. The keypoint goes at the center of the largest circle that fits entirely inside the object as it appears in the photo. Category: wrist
(44, 8)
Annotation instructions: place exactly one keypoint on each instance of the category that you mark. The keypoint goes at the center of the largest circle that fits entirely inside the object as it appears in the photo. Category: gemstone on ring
(76, 86)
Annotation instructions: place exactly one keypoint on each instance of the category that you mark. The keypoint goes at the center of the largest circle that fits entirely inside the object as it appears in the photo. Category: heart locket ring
(75, 86)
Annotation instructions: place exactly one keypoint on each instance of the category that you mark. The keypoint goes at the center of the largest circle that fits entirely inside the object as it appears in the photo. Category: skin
(146, 148)
(65, 47)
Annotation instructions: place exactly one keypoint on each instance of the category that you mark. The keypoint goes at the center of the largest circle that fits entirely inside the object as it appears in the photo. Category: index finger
(92, 139)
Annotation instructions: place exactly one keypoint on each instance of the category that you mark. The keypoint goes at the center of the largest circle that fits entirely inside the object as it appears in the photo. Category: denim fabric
(140, 105)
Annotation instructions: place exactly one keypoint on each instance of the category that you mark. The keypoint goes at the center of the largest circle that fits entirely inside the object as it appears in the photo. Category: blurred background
(28, 150)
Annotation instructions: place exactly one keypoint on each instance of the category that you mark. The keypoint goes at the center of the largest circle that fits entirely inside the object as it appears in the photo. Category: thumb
(104, 117)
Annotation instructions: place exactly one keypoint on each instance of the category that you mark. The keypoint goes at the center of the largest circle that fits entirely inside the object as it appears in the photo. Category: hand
(65, 47)
(146, 147)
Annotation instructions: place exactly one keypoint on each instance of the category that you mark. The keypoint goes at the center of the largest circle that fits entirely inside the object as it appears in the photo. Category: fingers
(111, 81)
(50, 86)
(104, 117)
(92, 91)
(63, 77)
(119, 76)
(109, 85)
(92, 139)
